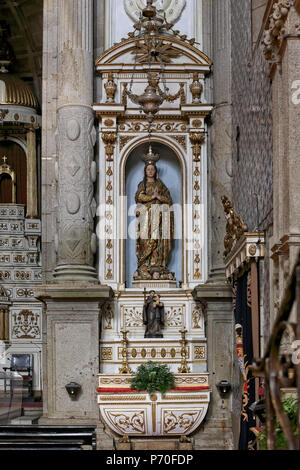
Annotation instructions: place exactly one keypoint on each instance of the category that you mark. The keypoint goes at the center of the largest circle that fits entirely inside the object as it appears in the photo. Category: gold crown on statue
(150, 157)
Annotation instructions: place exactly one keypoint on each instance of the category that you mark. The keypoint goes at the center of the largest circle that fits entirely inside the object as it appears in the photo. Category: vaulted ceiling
(25, 18)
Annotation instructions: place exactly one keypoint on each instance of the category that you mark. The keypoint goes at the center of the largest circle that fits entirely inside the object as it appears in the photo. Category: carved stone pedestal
(72, 352)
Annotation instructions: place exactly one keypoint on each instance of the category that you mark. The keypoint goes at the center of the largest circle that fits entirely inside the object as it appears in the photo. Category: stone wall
(252, 113)
(252, 143)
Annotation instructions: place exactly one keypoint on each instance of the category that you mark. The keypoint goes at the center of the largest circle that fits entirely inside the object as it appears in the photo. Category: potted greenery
(153, 377)
(290, 407)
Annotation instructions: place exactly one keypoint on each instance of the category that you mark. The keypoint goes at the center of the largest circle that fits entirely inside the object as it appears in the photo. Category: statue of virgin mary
(155, 224)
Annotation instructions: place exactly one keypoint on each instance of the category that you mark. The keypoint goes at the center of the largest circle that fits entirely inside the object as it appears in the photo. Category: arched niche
(16, 159)
(170, 172)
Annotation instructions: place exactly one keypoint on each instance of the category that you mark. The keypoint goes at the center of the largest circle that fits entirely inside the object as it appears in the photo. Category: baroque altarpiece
(176, 149)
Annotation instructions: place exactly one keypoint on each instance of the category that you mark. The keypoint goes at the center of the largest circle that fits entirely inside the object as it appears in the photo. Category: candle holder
(125, 369)
(183, 369)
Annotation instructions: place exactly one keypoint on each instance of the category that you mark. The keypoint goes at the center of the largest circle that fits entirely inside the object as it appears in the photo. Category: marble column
(76, 136)
(32, 208)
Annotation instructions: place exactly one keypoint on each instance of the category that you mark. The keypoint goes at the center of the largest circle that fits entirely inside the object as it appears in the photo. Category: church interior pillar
(32, 210)
(76, 136)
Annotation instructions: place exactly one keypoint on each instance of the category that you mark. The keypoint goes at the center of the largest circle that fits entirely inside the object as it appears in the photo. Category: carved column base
(76, 272)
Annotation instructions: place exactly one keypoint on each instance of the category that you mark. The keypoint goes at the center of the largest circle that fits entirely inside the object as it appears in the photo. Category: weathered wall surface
(252, 143)
(252, 113)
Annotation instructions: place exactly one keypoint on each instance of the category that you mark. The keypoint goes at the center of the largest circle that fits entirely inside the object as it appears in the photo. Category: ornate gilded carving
(197, 123)
(133, 317)
(155, 352)
(124, 139)
(106, 354)
(26, 325)
(252, 250)
(114, 380)
(235, 226)
(166, 52)
(110, 88)
(199, 352)
(179, 421)
(183, 369)
(196, 88)
(120, 398)
(181, 139)
(171, 98)
(108, 122)
(191, 380)
(174, 316)
(109, 139)
(197, 139)
(197, 316)
(161, 127)
(128, 423)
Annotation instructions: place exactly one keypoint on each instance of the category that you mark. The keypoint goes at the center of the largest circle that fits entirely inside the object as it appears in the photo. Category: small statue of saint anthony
(153, 315)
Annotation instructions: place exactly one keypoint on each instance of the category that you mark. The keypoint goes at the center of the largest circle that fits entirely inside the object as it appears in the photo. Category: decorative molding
(128, 422)
(106, 354)
(132, 316)
(109, 139)
(179, 421)
(26, 325)
(155, 352)
(250, 247)
(161, 126)
(199, 352)
(197, 139)
(124, 139)
(180, 139)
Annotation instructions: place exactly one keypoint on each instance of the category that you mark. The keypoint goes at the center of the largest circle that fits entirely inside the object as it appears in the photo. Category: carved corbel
(275, 31)
(109, 139)
(197, 139)
(235, 226)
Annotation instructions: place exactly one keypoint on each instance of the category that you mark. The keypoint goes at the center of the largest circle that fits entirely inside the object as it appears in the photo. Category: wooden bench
(47, 437)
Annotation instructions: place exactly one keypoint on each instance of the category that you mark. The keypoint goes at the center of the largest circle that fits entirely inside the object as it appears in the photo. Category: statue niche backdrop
(155, 224)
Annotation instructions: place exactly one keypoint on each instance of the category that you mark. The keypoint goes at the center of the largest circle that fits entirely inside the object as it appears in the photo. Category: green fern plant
(153, 377)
